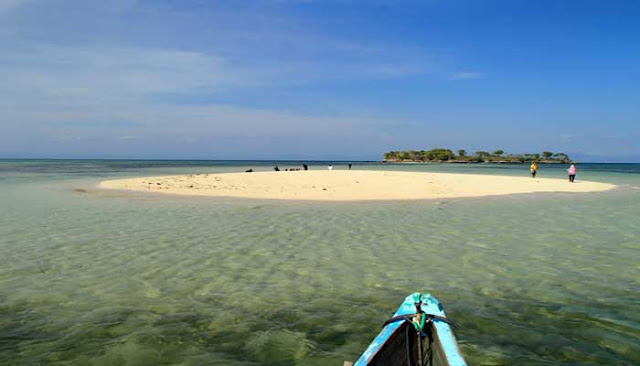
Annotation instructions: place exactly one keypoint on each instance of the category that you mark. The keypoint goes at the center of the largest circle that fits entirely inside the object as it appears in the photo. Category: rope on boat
(409, 318)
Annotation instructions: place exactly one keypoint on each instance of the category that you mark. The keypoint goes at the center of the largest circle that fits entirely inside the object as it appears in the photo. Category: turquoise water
(103, 278)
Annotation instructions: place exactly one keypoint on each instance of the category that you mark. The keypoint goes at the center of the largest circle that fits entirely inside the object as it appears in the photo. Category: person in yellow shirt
(534, 169)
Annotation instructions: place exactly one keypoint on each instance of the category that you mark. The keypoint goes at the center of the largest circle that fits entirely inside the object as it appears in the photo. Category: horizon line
(286, 160)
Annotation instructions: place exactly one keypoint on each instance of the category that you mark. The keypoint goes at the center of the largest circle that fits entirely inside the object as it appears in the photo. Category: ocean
(92, 277)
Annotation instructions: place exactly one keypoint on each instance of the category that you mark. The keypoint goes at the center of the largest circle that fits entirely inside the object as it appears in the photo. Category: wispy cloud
(397, 71)
(157, 130)
(96, 73)
(80, 71)
(467, 75)
(566, 138)
(7, 5)
(117, 73)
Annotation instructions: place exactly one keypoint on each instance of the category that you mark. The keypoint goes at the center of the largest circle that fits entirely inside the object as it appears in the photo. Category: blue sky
(318, 79)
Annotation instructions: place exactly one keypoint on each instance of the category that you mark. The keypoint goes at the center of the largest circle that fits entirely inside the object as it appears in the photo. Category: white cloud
(98, 72)
(396, 71)
(7, 5)
(92, 74)
(114, 71)
(157, 130)
(467, 75)
(55, 92)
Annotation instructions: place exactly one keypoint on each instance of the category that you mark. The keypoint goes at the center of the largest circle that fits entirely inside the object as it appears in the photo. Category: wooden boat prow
(402, 343)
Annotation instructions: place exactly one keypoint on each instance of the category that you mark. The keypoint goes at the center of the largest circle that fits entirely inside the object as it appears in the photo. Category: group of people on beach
(304, 167)
(571, 171)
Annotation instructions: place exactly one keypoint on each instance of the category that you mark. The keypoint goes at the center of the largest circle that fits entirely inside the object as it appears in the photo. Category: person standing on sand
(349, 166)
(534, 169)
(572, 173)
(330, 167)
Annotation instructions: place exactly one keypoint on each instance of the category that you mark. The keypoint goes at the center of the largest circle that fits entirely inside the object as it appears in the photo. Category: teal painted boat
(418, 334)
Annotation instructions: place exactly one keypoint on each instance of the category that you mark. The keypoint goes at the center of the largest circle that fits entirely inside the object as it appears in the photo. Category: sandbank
(349, 185)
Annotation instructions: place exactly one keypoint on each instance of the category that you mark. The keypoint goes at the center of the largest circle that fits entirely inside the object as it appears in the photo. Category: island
(441, 155)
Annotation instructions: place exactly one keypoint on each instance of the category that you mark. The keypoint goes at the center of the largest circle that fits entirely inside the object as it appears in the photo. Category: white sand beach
(352, 185)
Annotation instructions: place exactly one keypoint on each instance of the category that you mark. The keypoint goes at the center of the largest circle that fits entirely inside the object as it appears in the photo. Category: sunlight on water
(102, 278)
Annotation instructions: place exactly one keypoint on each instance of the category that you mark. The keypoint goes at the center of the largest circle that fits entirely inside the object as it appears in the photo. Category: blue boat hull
(399, 343)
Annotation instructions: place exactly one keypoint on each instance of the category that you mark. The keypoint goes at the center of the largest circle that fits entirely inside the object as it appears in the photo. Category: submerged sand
(349, 185)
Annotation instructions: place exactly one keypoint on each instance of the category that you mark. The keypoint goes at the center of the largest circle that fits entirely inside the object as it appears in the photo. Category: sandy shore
(351, 185)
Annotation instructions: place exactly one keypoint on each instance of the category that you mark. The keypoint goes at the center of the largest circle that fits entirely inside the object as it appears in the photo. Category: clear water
(103, 278)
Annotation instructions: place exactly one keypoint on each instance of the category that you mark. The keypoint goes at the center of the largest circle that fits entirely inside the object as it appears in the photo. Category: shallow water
(105, 278)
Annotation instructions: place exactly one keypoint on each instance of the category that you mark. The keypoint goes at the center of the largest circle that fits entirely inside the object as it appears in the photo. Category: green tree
(462, 153)
(391, 155)
(498, 152)
(547, 154)
(439, 154)
(562, 157)
(482, 154)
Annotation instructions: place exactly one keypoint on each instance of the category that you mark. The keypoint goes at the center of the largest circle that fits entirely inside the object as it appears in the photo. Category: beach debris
(80, 190)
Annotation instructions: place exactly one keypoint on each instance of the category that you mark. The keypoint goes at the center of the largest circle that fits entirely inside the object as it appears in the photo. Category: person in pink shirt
(572, 173)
